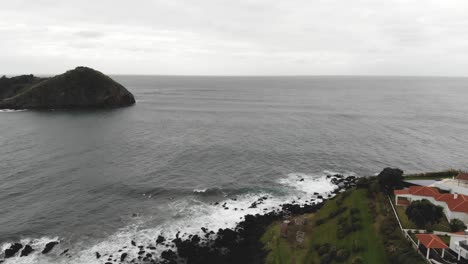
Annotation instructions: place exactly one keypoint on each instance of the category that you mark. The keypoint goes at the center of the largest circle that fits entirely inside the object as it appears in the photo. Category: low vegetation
(432, 175)
(399, 250)
(457, 225)
(358, 226)
(343, 231)
(390, 179)
(424, 213)
(443, 225)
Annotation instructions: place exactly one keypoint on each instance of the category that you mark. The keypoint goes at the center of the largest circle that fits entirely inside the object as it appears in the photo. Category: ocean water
(95, 180)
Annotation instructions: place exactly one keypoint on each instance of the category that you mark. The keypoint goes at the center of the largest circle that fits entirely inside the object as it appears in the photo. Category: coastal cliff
(79, 88)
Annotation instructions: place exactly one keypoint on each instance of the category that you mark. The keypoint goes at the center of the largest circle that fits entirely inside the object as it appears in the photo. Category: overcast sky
(236, 37)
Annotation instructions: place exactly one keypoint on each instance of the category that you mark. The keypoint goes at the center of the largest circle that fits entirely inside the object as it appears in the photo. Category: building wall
(460, 215)
(454, 240)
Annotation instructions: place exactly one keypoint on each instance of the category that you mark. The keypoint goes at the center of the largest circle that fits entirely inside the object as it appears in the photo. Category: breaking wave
(188, 215)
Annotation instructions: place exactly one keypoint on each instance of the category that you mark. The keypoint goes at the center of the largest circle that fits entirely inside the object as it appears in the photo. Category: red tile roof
(462, 176)
(431, 241)
(458, 204)
(398, 192)
(424, 191)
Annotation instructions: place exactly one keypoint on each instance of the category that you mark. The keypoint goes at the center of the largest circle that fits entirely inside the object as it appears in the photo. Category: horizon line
(249, 75)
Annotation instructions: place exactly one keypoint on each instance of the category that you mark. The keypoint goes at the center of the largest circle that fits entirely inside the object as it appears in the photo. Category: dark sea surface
(97, 179)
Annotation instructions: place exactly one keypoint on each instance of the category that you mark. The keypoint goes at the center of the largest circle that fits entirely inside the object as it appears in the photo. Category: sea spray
(192, 217)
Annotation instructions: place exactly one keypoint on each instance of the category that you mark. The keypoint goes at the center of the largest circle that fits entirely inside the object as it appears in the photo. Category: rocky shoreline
(238, 245)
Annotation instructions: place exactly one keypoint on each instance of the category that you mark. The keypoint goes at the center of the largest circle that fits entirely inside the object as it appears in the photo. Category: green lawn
(405, 222)
(372, 250)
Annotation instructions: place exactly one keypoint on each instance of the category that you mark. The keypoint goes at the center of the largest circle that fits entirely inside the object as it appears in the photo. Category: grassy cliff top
(357, 226)
(371, 248)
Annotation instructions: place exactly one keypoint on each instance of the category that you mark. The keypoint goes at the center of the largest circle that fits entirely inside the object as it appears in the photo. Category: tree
(390, 178)
(457, 225)
(357, 260)
(424, 212)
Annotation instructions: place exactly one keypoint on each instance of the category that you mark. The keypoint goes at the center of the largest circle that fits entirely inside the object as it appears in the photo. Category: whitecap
(12, 110)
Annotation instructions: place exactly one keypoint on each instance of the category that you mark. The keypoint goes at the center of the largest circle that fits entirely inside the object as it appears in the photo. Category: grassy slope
(367, 238)
(282, 249)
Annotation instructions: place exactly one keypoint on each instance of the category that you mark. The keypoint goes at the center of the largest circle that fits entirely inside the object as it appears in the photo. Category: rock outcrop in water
(79, 88)
(10, 252)
(49, 246)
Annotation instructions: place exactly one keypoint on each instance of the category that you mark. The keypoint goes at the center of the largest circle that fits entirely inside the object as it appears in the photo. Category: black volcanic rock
(170, 256)
(10, 252)
(49, 246)
(26, 251)
(79, 88)
(160, 239)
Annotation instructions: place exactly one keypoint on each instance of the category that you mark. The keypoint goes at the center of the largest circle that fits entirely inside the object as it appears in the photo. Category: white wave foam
(11, 110)
(189, 215)
(36, 256)
(201, 190)
(308, 184)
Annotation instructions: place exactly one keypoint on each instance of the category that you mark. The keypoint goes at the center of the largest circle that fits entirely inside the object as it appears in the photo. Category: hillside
(355, 227)
(79, 88)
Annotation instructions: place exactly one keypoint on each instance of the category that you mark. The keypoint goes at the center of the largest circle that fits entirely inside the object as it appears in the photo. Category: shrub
(355, 227)
(457, 225)
(355, 219)
(389, 179)
(337, 212)
(326, 259)
(356, 247)
(339, 202)
(323, 249)
(357, 260)
(424, 212)
(342, 255)
(374, 188)
(437, 174)
(342, 220)
(362, 182)
(320, 221)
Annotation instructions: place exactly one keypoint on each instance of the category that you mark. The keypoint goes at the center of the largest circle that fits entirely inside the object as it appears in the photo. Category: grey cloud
(89, 34)
(237, 37)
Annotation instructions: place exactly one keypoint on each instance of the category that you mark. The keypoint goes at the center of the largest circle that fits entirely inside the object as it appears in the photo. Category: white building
(454, 205)
(457, 184)
(459, 244)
